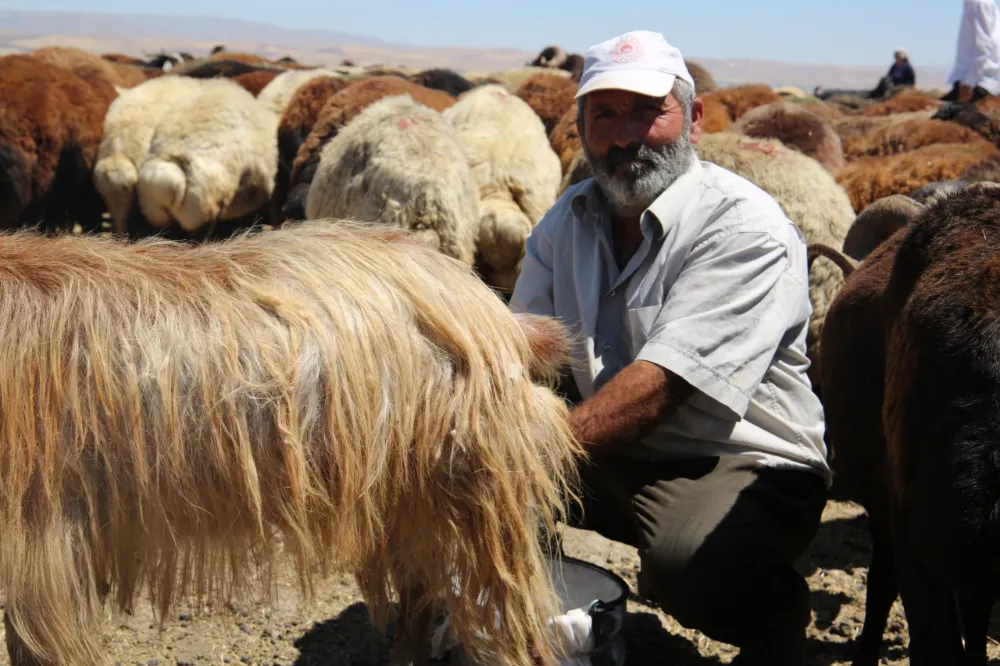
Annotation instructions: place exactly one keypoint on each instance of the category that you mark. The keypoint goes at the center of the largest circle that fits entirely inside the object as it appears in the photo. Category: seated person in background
(901, 75)
(977, 61)
(687, 290)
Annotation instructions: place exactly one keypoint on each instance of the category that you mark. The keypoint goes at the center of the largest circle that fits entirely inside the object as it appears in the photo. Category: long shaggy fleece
(872, 178)
(549, 96)
(909, 135)
(50, 129)
(401, 164)
(90, 66)
(172, 412)
(212, 157)
(340, 109)
(516, 169)
(128, 130)
(810, 197)
(282, 89)
(796, 127)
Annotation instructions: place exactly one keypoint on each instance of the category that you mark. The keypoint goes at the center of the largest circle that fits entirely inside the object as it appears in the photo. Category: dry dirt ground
(335, 631)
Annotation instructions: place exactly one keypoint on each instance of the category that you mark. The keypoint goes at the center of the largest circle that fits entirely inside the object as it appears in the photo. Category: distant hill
(139, 34)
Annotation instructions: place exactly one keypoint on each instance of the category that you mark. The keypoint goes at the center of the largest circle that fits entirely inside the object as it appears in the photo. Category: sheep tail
(819, 250)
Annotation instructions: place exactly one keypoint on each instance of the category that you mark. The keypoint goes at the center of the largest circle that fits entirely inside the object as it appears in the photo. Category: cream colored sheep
(516, 169)
(213, 157)
(278, 93)
(129, 126)
(400, 163)
(809, 196)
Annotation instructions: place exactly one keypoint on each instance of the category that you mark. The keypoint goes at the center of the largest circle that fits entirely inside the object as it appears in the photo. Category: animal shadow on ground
(350, 639)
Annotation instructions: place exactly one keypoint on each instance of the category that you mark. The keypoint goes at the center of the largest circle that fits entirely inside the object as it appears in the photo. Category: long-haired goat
(171, 411)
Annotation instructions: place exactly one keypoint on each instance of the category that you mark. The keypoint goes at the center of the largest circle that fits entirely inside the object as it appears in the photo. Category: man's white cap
(639, 61)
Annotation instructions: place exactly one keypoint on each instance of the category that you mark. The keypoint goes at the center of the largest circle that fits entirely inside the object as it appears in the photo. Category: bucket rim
(626, 590)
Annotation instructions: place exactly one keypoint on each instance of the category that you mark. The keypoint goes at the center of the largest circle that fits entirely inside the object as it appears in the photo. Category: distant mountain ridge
(139, 34)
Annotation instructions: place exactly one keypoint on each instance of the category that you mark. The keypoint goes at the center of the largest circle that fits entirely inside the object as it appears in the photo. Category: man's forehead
(620, 98)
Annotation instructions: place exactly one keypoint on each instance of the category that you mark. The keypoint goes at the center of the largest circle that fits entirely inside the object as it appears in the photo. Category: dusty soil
(335, 631)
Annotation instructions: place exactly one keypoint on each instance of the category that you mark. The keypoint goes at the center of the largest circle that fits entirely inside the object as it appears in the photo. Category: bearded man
(687, 289)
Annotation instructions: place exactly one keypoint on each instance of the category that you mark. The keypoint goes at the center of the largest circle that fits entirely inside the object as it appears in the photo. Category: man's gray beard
(646, 176)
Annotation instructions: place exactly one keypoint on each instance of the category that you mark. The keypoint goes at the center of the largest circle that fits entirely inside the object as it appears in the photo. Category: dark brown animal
(565, 139)
(877, 223)
(338, 111)
(51, 121)
(740, 99)
(941, 419)
(445, 80)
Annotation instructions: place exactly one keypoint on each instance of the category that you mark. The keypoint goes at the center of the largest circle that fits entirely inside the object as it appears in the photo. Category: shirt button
(613, 292)
(607, 347)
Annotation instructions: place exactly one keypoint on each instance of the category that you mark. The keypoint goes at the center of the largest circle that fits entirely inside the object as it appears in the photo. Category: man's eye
(604, 115)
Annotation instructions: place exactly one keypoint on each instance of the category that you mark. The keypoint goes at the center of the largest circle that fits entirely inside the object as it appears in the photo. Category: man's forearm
(628, 406)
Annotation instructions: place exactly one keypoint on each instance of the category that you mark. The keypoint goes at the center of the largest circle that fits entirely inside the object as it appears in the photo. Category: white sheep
(516, 169)
(128, 131)
(400, 163)
(212, 157)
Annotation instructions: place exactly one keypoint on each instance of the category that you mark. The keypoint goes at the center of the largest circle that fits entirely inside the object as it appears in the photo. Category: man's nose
(630, 132)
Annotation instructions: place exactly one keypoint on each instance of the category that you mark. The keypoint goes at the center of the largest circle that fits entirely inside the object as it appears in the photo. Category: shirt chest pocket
(640, 325)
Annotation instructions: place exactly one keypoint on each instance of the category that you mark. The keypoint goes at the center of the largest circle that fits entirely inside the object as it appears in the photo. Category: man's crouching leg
(718, 539)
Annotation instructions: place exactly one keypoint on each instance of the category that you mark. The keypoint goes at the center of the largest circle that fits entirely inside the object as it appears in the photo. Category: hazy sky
(831, 31)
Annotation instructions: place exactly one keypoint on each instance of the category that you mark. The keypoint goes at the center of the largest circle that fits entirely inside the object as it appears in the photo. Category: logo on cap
(628, 49)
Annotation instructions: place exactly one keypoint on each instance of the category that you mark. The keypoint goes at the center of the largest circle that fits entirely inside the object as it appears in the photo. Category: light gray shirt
(717, 293)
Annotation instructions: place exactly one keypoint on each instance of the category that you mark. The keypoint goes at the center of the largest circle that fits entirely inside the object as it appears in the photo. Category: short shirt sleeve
(723, 318)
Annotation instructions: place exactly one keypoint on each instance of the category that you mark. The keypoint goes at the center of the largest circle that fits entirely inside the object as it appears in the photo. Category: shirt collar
(664, 213)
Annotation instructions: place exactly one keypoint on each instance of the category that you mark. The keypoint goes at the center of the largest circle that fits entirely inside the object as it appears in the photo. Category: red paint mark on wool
(759, 147)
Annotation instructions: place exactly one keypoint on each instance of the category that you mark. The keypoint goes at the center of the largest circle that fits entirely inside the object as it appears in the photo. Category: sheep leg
(18, 652)
(413, 630)
(931, 611)
(880, 595)
(975, 608)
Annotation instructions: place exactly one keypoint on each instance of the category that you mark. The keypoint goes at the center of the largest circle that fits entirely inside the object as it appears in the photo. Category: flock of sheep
(111, 146)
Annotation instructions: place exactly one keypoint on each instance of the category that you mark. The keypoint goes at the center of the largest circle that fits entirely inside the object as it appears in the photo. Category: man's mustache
(634, 152)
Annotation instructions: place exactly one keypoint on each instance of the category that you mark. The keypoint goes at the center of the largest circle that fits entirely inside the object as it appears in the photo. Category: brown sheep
(565, 138)
(740, 99)
(940, 417)
(986, 171)
(716, 115)
(297, 121)
(877, 223)
(827, 112)
(50, 128)
(906, 136)
(91, 67)
(853, 358)
(797, 128)
(236, 56)
(910, 100)
(338, 111)
(254, 82)
(872, 178)
(549, 96)
(122, 59)
(704, 82)
(851, 128)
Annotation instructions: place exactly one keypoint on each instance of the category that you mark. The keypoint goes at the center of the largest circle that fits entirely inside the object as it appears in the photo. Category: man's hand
(627, 407)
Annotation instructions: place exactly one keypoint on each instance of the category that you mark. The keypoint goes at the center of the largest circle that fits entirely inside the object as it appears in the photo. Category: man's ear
(697, 115)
